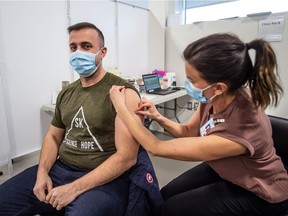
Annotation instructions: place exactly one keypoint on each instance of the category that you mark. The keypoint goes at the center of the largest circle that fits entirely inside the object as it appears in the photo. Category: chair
(280, 137)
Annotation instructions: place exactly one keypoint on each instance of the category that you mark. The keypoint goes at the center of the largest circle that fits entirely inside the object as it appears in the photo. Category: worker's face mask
(84, 62)
(197, 93)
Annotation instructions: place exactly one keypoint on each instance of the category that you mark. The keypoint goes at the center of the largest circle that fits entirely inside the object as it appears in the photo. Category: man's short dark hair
(84, 25)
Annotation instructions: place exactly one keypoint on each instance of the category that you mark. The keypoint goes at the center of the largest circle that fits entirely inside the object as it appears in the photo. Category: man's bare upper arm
(124, 141)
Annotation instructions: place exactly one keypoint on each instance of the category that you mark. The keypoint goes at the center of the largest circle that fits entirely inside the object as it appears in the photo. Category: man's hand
(61, 196)
(42, 186)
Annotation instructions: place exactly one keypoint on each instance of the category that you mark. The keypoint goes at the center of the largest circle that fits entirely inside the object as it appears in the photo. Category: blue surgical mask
(84, 62)
(197, 93)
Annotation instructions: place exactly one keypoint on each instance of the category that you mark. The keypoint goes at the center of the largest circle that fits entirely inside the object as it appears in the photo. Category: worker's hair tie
(248, 46)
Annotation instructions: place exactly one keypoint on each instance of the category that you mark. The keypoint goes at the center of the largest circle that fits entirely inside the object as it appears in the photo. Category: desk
(156, 99)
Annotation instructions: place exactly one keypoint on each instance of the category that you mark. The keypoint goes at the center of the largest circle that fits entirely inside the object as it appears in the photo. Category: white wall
(34, 61)
(178, 37)
(133, 41)
(4, 138)
(157, 35)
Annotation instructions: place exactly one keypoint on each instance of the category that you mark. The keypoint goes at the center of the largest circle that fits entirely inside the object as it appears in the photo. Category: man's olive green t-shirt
(88, 117)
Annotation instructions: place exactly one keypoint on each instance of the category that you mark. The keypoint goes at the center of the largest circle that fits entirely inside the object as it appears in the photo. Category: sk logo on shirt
(79, 123)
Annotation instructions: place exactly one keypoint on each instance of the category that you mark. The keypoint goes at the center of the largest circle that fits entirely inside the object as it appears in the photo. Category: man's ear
(103, 52)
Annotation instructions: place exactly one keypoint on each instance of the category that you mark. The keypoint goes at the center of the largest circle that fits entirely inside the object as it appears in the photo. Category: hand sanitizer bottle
(136, 86)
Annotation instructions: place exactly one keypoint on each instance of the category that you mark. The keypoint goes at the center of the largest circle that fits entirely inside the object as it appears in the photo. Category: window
(207, 10)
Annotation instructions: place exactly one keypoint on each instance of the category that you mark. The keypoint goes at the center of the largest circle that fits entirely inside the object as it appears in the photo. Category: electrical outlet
(189, 105)
(196, 104)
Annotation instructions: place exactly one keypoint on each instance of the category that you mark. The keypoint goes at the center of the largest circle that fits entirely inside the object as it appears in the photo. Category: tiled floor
(19, 164)
(166, 169)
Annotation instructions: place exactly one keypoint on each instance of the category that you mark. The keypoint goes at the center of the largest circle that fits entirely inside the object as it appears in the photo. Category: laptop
(152, 85)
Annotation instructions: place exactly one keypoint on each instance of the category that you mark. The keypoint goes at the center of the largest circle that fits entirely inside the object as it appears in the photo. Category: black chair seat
(280, 137)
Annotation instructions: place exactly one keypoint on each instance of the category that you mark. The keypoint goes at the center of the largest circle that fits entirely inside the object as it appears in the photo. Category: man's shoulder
(114, 79)
(71, 85)
(69, 88)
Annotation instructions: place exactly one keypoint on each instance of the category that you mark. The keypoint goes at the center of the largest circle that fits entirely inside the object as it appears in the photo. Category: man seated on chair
(87, 149)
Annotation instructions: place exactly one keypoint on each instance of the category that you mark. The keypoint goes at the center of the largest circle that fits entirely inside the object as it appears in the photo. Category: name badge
(207, 126)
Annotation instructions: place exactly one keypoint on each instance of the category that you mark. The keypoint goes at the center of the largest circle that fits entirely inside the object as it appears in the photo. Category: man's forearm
(48, 156)
(112, 168)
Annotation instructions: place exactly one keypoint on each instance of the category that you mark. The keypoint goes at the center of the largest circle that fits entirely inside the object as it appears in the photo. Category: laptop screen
(151, 82)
